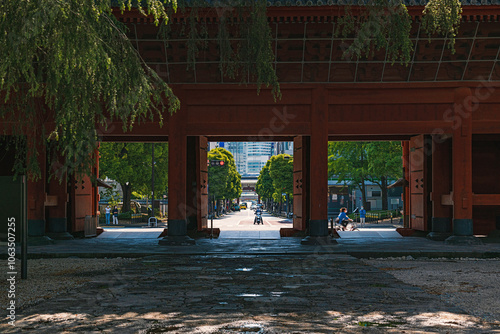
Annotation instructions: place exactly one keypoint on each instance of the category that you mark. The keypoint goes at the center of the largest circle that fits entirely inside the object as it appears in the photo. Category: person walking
(108, 213)
(115, 215)
(362, 216)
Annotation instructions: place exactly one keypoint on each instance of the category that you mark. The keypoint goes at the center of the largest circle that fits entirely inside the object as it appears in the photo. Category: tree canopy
(224, 182)
(130, 165)
(264, 187)
(67, 68)
(71, 62)
(276, 178)
(357, 162)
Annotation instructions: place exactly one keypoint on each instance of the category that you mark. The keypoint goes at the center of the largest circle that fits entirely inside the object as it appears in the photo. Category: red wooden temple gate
(444, 108)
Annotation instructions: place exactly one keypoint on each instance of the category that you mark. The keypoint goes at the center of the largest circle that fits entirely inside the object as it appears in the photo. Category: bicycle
(349, 226)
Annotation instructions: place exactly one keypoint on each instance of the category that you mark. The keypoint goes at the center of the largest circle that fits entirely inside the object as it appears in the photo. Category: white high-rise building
(239, 149)
(257, 155)
(250, 157)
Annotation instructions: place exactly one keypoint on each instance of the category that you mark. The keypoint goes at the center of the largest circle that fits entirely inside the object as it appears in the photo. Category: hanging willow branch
(443, 17)
(382, 24)
(386, 24)
(66, 67)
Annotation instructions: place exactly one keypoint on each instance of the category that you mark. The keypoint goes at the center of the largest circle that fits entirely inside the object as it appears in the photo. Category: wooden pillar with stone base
(462, 169)
(36, 194)
(57, 202)
(318, 223)
(177, 166)
(441, 186)
(406, 190)
(197, 183)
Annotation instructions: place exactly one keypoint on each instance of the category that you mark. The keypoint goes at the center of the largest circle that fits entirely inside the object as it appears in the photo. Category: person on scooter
(258, 216)
(343, 218)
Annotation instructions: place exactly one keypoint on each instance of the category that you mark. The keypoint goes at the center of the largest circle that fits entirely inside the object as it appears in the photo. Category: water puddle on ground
(249, 295)
(244, 269)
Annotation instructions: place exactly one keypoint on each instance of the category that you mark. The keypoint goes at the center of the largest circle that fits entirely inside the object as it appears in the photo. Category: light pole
(153, 180)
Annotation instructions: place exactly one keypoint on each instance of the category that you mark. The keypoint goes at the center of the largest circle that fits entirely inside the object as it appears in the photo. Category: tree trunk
(383, 187)
(363, 193)
(127, 195)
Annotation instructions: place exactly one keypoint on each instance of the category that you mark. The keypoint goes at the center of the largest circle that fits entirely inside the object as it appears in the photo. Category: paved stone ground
(301, 293)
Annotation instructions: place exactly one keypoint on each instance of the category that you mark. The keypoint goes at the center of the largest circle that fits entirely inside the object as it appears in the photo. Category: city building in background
(250, 157)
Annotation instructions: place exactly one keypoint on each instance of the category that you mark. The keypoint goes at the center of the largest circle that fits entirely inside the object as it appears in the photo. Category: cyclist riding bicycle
(343, 219)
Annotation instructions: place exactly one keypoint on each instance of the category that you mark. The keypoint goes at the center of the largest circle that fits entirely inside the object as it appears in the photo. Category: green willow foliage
(443, 17)
(67, 68)
(386, 24)
(243, 38)
(382, 24)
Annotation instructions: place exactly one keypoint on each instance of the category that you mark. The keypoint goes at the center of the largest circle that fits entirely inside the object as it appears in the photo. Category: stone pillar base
(172, 240)
(468, 240)
(438, 236)
(60, 236)
(36, 227)
(177, 227)
(463, 227)
(318, 241)
(40, 241)
(318, 227)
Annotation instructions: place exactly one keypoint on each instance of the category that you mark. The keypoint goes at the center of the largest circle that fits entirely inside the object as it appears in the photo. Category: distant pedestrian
(362, 216)
(108, 213)
(115, 215)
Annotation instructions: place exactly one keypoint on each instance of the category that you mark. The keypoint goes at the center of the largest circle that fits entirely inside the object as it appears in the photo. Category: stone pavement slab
(270, 235)
(130, 233)
(358, 247)
(227, 293)
(370, 234)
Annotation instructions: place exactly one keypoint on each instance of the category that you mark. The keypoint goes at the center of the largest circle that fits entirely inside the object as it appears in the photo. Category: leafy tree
(130, 165)
(357, 162)
(348, 162)
(224, 182)
(384, 164)
(70, 61)
(264, 187)
(281, 173)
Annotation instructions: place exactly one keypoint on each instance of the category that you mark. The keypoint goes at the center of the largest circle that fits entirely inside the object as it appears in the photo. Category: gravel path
(471, 284)
(48, 278)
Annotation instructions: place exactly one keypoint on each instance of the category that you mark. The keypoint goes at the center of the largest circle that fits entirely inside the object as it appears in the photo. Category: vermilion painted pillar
(36, 195)
(441, 185)
(177, 167)
(57, 201)
(406, 189)
(318, 166)
(462, 168)
(202, 181)
(57, 195)
(300, 184)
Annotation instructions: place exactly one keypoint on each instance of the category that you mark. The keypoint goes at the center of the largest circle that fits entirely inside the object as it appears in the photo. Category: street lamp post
(153, 180)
